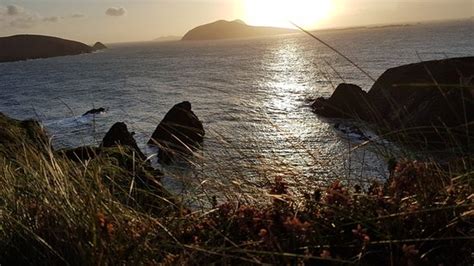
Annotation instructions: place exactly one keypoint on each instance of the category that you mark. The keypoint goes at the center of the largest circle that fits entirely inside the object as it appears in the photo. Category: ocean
(253, 96)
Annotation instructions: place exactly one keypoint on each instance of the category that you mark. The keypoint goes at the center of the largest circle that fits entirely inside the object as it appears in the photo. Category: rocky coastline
(422, 104)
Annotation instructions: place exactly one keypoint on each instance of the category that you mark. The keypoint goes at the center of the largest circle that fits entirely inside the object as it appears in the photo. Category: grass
(55, 211)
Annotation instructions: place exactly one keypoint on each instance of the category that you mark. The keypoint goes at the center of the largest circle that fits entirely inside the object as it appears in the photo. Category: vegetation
(54, 210)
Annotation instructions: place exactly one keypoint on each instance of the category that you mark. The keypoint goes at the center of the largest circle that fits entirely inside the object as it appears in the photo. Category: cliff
(431, 101)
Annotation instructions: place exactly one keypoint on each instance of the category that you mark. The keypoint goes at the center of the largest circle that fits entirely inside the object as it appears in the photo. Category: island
(24, 47)
(170, 38)
(223, 29)
(99, 46)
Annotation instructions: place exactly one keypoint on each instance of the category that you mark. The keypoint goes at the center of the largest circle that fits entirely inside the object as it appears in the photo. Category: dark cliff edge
(24, 47)
(429, 102)
(231, 30)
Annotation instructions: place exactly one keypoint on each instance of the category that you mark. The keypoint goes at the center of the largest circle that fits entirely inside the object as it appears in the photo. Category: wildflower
(361, 234)
(105, 225)
(101, 219)
(409, 250)
(337, 194)
(295, 224)
(325, 254)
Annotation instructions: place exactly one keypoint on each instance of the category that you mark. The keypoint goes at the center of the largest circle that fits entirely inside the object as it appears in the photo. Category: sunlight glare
(278, 13)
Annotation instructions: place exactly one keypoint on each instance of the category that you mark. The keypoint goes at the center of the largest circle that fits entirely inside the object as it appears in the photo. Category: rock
(230, 30)
(180, 131)
(94, 111)
(80, 154)
(430, 101)
(347, 101)
(99, 46)
(402, 90)
(118, 135)
(427, 103)
(15, 135)
(122, 169)
(23, 47)
(352, 132)
(148, 192)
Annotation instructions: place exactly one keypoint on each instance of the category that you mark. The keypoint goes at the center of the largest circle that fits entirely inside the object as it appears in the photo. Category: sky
(111, 21)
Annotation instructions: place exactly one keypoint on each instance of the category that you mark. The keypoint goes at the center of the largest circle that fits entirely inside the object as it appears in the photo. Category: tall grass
(54, 211)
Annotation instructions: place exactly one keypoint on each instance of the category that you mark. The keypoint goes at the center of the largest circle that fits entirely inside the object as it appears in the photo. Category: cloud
(51, 19)
(14, 16)
(116, 11)
(23, 22)
(13, 10)
(77, 15)
(17, 17)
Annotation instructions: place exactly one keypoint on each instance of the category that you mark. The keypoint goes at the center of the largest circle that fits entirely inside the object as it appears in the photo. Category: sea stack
(180, 132)
(118, 135)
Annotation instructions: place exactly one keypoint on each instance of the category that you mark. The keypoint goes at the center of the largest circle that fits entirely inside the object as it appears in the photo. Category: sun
(279, 13)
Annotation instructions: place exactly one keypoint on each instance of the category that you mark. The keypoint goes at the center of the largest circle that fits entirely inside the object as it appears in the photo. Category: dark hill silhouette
(99, 46)
(23, 47)
(231, 30)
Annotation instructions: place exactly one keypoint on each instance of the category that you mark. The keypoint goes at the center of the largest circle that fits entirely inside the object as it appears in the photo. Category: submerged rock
(180, 131)
(353, 132)
(118, 135)
(94, 111)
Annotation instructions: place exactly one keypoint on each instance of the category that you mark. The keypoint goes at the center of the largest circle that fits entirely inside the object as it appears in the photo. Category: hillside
(231, 30)
(23, 47)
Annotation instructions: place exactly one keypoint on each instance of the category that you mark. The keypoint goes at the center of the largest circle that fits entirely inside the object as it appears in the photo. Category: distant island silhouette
(99, 46)
(167, 38)
(223, 29)
(24, 47)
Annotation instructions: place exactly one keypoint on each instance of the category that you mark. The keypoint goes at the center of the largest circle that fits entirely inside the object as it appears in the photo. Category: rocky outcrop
(180, 132)
(16, 134)
(347, 101)
(80, 154)
(131, 179)
(425, 93)
(231, 30)
(118, 135)
(24, 47)
(428, 102)
(99, 46)
(126, 166)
